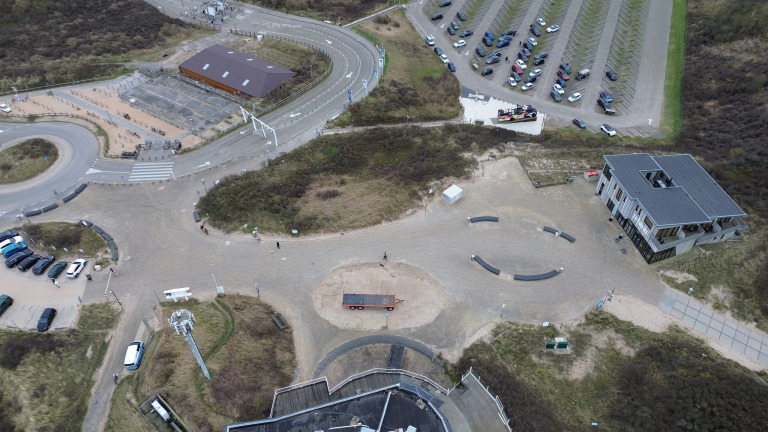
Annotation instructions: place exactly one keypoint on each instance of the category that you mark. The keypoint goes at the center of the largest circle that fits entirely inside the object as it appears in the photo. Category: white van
(134, 355)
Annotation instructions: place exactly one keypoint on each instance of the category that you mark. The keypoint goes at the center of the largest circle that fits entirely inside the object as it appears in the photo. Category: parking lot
(628, 37)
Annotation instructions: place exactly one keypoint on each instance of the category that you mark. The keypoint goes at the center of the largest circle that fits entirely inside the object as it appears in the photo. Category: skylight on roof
(225, 74)
(270, 67)
(206, 66)
(245, 83)
(249, 59)
(230, 52)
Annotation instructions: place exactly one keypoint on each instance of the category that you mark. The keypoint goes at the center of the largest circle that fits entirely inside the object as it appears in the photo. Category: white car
(511, 81)
(522, 64)
(558, 89)
(75, 268)
(526, 87)
(540, 21)
(532, 41)
(430, 40)
(535, 73)
(444, 58)
(459, 43)
(11, 241)
(553, 28)
(574, 97)
(608, 129)
(5, 108)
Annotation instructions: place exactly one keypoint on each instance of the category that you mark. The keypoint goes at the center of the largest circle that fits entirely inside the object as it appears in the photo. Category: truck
(518, 113)
(371, 301)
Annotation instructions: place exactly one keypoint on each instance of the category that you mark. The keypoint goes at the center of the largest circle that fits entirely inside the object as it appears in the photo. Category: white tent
(452, 194)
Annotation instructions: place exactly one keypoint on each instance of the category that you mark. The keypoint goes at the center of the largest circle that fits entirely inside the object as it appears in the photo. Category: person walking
(53, 281)
(385, 256)
(278, 245)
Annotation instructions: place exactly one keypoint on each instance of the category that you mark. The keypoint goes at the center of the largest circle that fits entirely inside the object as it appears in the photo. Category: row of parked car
(16, 254)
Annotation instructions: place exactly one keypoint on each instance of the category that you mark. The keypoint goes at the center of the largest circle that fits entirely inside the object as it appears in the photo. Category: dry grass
(246, 354)
(50, 388)
(53, 237)
(26, 160)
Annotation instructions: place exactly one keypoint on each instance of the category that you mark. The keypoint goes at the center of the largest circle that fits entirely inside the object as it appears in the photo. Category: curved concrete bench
(557, 233)
(483, 219)
(33, 213)
(69, 197)
(537, 277)
(487, 266)
(50, 207)
(81, 187)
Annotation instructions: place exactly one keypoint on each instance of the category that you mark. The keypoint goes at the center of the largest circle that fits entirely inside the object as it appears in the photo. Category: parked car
(604, 104)
(608, 129)
(558, 89)
(503, 42)
(459, 43)
(522, 64)
(75, 268)
(430, 40)
(612, 75)
(133, 355)
(512, 82)
(527, 46)
(514, 75)
(606, 95)
(486, 71)
(454, 25)
(28, 262)
(535, 73)
(43, 264)
(535, 31)
(10, 241)
(461, 15)
(129, 155)
(451, 67)
(489, 35)
(13, 248)
(16, 258)
(563, 75)
(542, 55)
(581, 124)
(532, 41)
(445, 3)
(466, 33)
(451, 31)
(437, 16)
(509, 32)
(538, 61)
(540, 21)
(5, 108)
(56, 270)
(526, 87)
(444, 59)
(5, 302)
(496, 53)
(438, 51)
(517, 69)
(526, 51)
(488, 41)
(560, 82)
(493, 60)
(574, 97)
(46, 319)
(5, 235)
(522, 56)
(565, 67)
(530, 79)
(553, 28)
(556, 96)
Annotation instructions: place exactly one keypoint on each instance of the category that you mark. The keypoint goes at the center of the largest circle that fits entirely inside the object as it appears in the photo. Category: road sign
(382, 52)
(375, 73)
(365, 84)
(349, 95)
(381, 62)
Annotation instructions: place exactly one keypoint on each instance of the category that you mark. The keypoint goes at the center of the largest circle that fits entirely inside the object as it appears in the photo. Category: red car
(517, 69)
(563, 75)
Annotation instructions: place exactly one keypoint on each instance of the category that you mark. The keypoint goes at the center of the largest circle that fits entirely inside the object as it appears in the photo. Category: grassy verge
(47, 378)
(246, 354)
(26, 160)
(618, 375)
(416, 86)
(672, 121)
(349, 180)
(55, 237)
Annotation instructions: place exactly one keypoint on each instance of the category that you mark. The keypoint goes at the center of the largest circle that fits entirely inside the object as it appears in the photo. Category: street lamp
(502, 311)
(204, 187)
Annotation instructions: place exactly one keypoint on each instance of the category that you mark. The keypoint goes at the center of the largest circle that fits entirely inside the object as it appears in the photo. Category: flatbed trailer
(370, 301)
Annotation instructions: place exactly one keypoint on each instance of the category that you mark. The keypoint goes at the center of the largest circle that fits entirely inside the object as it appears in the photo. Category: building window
(648, 222)
(619, 194)
(607, 172)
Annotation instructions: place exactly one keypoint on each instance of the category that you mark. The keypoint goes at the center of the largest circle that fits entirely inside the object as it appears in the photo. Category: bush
(328, 194)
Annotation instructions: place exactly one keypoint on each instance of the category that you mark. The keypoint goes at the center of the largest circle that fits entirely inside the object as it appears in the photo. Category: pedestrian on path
(385, 256)
(88, 276)
(114, 376)
(278, 245)
(55, 282)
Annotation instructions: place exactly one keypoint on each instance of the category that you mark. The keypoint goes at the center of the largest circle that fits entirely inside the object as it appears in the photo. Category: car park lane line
(594, 82)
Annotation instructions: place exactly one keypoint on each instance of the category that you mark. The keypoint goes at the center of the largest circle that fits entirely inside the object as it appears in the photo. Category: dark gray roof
(695, 197)
(240, 71)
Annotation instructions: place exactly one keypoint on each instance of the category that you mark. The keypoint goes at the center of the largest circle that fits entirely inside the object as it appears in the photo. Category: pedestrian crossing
(151, 171)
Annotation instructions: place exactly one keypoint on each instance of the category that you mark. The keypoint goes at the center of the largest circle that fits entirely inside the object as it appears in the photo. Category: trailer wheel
(352, 308)
(390, 308)
(360, 308)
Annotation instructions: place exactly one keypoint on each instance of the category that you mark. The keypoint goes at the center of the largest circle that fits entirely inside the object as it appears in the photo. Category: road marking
(94, 171)
(329, 42)
(294, 115)
(350, 75)
(204, 165)
(150, 171)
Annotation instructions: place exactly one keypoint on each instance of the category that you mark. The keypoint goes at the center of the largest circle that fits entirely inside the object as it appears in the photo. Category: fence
(499, 405)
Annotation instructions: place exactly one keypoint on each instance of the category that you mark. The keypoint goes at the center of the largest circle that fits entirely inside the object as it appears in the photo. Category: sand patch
(422, 296)
(679, 277)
